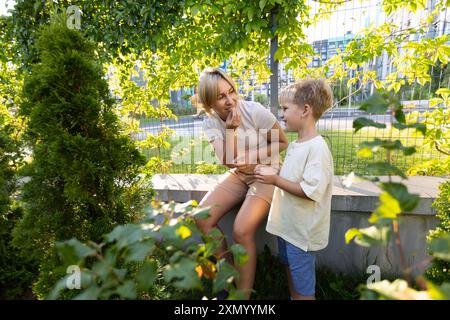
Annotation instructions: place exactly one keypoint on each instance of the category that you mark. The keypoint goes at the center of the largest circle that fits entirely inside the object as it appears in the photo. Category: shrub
(82, 171)
(439, 271)
(160, 256)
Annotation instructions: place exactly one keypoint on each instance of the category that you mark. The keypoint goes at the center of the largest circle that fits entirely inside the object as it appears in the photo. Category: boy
(300, 210)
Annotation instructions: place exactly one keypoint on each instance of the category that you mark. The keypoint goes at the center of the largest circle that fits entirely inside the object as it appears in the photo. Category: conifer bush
(83, 173)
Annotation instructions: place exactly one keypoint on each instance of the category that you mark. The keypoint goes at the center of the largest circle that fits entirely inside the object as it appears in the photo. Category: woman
(242, 134)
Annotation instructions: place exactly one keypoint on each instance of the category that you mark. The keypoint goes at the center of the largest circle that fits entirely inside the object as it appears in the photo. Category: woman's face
(226, 99)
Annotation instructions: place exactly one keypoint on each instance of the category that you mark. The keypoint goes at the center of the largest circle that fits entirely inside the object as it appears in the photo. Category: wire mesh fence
(190, 152)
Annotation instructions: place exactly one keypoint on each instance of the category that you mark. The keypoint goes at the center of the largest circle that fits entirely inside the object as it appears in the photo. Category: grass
(195, 155)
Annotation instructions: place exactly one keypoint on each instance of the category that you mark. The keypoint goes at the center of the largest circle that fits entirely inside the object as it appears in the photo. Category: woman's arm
(276, 141)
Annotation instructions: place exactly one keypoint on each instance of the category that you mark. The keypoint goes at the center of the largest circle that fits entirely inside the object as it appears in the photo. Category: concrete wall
(351, 208)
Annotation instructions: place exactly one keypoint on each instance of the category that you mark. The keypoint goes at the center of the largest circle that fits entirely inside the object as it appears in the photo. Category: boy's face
(293, 115)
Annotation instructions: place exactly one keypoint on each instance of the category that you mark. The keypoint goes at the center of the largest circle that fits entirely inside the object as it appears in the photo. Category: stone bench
(351, 208)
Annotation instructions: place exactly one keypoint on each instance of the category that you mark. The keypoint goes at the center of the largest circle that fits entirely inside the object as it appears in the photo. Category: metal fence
(190, 152)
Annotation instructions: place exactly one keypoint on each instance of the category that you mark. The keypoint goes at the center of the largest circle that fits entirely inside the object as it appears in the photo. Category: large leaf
(363, 122)
(182, 274)
(127, 290)
(74, 251)
(127, 234)
(147, 274)
(375, 104)
(367, 237)
(440, 247)
(417, 126)
(225, 276)
(138, 251)
(239, 254)
(388, 209)
(388, 145)
(408, 201)
(384, 168)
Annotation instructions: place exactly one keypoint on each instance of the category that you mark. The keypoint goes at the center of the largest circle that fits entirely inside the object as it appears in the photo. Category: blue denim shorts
(301, 266)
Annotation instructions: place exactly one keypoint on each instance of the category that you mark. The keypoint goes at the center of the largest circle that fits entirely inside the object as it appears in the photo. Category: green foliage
(83, 171)
(439, 271)
(395, 199)
(270, 278)
(15, 270)
(263, 99)
(162, 249)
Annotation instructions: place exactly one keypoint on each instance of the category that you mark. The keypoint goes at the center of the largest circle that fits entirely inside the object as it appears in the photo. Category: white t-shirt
(302, 222)
(256, 121)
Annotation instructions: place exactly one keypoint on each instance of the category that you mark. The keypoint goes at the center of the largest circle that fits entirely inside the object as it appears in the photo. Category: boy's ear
(307, 109)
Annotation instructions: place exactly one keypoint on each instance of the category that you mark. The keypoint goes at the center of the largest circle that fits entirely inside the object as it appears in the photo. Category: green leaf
(362, 122)
(239, 254)
(127, 290)
(182, 274)
(421, 127)
(91, 293)
(215, 233)
(440, 247)
(408, 201)
(202, 213)
(370, 236)
(384, 168)
(375, 104)
(57, 288)
(351, 233)
(388, 209)
(74, 251)
(262, 4)
(435, 101)
(388, 145)
(443, 91)
(127, 234)
(400, 116)
(438, 292)
(138, 251)
(224, 277)
(147, 274)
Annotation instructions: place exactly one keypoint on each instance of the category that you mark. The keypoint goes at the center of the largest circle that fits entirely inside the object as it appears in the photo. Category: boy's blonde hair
(208, 87)
(314, 92)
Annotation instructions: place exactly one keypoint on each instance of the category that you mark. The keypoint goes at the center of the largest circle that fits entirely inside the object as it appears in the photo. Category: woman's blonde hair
(208, 87)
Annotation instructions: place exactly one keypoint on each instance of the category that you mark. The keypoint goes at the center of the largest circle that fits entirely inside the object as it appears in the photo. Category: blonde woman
(243, 134)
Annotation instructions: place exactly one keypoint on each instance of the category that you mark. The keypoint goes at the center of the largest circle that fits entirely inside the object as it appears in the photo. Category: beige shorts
(243, 185)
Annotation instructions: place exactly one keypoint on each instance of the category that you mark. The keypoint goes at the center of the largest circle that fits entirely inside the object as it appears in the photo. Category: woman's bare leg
(222, 201)
(253, 211)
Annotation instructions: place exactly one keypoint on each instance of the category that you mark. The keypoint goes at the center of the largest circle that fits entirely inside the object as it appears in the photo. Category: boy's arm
(282, 183)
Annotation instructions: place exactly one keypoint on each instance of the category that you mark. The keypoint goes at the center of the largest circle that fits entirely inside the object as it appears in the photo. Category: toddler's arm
(282, 183)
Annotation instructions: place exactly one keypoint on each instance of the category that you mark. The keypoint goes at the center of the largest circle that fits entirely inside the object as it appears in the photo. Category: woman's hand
(272, 179)
(233, 120)
(266, 174)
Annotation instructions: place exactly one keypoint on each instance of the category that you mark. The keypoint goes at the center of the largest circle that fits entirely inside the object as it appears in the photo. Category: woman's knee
(205, 225)
(241, 234)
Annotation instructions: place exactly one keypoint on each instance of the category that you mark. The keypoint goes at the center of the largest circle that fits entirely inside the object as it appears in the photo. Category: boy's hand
(234, 119)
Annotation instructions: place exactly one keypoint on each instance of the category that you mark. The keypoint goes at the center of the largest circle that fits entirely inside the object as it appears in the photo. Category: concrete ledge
(360, 197)
(351, 208)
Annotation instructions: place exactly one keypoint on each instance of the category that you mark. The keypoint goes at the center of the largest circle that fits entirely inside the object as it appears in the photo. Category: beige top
(302, 222)
(256, 121)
